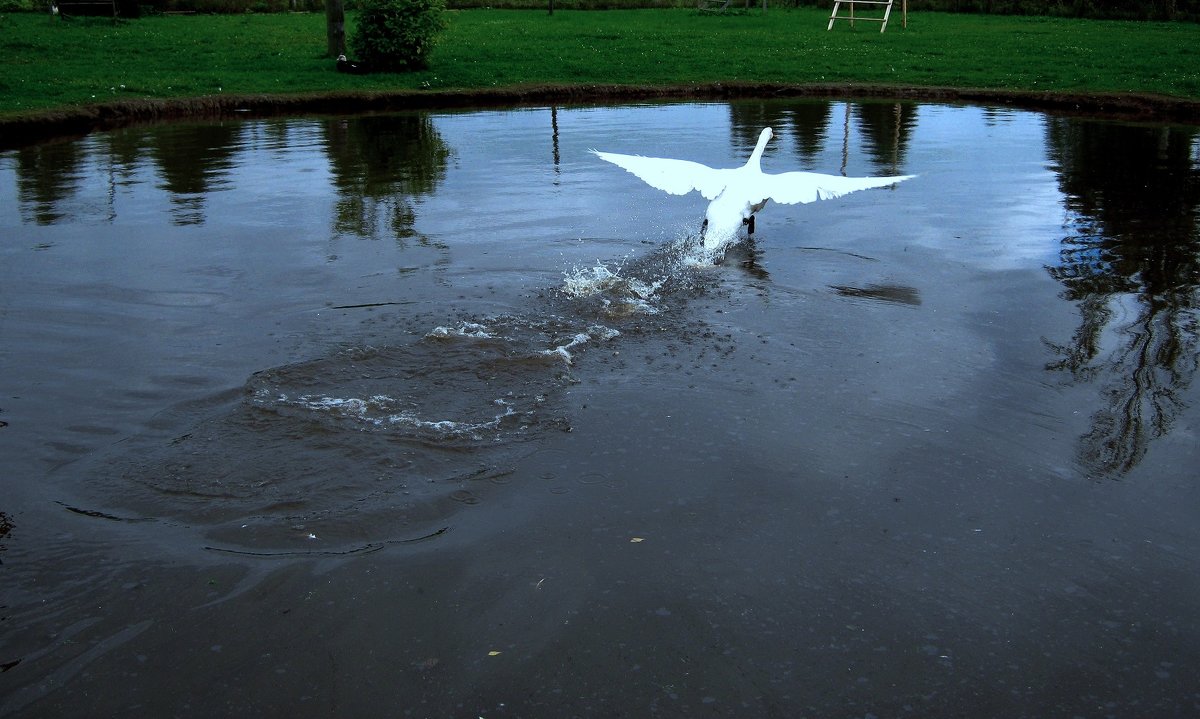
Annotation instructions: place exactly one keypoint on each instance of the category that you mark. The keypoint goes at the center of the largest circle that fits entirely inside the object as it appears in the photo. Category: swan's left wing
(677, 177)
(790, 188)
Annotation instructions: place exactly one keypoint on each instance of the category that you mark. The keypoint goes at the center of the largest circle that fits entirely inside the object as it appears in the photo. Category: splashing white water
(383, 411)
(472, 330)
(628, 294)
(638, 286)
(595, 332)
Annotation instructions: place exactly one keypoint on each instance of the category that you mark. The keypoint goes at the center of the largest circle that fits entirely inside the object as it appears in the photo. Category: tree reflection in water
(882, 129)
(378, 164)
(1131, 263)
(45, 174)
(194, 160)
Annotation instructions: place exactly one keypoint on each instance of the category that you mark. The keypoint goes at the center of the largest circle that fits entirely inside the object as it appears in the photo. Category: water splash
(464, 329)
(621, 295)
(644, 285)
(595, 332)
(383, 412)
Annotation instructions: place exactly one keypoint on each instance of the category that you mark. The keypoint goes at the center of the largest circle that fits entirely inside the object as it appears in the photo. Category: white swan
(738, 193)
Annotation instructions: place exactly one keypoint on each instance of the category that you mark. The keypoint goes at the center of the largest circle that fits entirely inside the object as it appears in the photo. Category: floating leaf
(493, 653)
(635, 540)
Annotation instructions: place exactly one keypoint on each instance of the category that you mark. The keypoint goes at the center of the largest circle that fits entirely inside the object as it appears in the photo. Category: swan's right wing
(790, 188)
(677, 177)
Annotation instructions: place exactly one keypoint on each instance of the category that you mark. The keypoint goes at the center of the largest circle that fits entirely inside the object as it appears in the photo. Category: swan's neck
(756, 156)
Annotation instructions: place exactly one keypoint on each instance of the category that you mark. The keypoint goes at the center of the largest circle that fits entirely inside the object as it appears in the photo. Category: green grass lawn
(47, 63)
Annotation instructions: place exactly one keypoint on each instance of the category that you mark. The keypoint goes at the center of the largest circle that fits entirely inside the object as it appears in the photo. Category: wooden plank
(832, 17)
(883, 21)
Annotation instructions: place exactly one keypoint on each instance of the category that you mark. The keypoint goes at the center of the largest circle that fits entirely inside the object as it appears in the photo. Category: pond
(437, 414)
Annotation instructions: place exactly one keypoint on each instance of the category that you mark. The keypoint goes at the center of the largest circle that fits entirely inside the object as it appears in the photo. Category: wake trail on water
(368, 441)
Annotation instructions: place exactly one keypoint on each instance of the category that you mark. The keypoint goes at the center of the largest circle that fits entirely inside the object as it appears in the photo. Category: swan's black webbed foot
(749, 223)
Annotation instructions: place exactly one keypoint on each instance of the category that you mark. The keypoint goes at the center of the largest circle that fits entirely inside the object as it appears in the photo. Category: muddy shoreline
(76, 121)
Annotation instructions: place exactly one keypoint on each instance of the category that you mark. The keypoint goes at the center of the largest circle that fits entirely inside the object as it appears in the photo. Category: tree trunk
(335, 27)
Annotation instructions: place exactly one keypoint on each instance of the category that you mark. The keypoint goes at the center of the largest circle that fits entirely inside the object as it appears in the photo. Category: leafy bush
(24, 5)
(396, 35)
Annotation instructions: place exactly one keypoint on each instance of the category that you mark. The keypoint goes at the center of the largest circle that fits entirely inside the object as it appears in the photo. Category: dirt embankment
(76, 121)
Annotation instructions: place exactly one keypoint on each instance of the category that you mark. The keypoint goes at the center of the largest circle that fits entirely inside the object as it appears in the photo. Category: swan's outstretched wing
(677, 177)
(790, 188)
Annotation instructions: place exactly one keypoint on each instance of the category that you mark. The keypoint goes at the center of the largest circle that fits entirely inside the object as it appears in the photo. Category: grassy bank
(47, 64)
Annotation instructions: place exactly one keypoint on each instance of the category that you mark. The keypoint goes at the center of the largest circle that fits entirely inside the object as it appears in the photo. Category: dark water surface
(437, 415)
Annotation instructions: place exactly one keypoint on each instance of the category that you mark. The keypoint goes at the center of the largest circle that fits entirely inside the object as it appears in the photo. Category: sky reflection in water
(1108, 209)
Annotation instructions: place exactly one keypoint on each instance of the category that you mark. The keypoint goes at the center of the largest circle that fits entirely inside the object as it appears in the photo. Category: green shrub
(396, 35)
(23, 5)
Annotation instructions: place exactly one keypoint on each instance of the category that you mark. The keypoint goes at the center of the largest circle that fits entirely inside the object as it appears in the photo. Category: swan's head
(767, 134)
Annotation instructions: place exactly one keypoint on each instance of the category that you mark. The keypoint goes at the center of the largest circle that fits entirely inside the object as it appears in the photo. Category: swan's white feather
(677, 177)
(790, 188)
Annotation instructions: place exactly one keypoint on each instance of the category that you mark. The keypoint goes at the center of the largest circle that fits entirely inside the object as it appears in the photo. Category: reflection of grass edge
(26, 128)
(48, 64)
